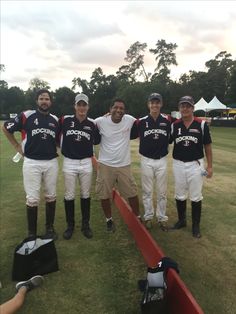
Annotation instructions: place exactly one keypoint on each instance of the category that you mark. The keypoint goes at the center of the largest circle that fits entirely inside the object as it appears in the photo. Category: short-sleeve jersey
(154, 136)
(39, 132)
(115, 140)
(189, 142)
(77, 138)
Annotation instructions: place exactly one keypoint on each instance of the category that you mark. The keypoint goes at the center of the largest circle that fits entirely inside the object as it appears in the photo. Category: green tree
(165, 57)
(231, 92)
(98, 79)
(135, 58)
(103, 94)
(78, 82)
(36, 84)
(123, 74)
(219, 74)
(3, 84)
(64, 100)
(15, 100)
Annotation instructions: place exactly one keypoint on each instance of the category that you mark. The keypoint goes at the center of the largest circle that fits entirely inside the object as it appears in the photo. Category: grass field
(100, 275)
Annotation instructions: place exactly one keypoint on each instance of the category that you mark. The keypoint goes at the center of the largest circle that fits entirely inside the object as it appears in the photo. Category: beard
(45, 110)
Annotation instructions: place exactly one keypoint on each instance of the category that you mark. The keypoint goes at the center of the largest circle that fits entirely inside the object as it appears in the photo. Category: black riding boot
(32, 214)
(181, 209)
(85, 211)
(196, 217)
(70, 218)
(50, 215)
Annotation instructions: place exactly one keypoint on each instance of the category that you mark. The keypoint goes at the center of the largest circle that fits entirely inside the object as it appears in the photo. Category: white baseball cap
(82, 97)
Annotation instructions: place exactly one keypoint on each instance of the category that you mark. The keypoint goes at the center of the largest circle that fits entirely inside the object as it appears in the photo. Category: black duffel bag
(34, 257)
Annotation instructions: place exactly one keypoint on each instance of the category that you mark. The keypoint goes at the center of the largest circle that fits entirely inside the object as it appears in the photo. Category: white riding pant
(154, 171)
(188, 179)
(81, 169)
(34, 173)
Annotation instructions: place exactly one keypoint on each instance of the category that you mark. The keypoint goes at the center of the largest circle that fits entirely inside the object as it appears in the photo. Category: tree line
(133, 84)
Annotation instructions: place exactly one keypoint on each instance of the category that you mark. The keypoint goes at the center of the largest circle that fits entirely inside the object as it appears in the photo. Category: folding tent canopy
(215, 104)
(201, 105)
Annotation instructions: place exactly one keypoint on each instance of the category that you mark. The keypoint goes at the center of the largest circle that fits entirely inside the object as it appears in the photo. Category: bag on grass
(34, 257)
(154, 288)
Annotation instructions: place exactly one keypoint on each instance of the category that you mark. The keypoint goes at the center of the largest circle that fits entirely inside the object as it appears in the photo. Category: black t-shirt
(77, 138)
(154, 136)
(39, 133)
(188, 143)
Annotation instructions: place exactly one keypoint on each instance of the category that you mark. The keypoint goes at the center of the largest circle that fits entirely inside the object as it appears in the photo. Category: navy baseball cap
(186, 99)
(82, 97)
(155, 96)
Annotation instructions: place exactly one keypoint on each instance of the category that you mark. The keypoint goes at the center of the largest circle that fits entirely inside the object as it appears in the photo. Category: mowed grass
(100, 275)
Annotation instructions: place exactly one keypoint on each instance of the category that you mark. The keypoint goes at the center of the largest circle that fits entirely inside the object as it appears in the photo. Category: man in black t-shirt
(190, 136)
(78, 134)
(39, 131)
(154, 134)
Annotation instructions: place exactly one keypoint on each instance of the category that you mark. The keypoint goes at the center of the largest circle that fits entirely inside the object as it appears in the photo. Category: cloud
(65, 39)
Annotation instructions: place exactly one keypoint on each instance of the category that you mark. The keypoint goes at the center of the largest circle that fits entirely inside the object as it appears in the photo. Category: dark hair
(42, 91)
(118, 100)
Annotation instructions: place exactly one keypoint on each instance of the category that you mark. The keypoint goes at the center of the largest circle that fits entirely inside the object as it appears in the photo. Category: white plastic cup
(204, 173)
(17, 157)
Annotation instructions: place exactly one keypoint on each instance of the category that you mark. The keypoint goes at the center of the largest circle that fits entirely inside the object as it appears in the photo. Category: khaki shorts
(115, 177)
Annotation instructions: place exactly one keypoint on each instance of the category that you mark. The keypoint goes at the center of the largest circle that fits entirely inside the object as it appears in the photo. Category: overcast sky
(59, 40)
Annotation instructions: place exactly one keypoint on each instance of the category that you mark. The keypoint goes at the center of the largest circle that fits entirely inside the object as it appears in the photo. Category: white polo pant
(154, 172)
(36, 172)
(80, 169)
(188, 179)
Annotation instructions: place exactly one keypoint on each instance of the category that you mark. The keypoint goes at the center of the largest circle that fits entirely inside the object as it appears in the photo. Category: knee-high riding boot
(196, 217)
(181, 209)
(85, 211)
(32, 214)
(70, 218)
(50, 215)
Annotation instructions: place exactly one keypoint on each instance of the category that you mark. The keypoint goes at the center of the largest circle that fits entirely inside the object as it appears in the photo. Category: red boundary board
(180, 298)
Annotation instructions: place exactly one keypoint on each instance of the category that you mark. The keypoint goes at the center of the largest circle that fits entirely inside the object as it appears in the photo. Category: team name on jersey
(155, 131)
(77, 132)
(186, 138)
(43, 130)
(194, 131)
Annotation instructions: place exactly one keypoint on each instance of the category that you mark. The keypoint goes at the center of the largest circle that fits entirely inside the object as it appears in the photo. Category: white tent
(215, 104)
(201, 105)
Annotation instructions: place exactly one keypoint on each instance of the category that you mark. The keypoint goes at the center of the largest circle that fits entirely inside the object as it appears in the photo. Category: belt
(188, 160)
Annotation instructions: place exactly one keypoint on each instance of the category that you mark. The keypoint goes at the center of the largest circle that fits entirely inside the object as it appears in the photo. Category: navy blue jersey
(77, 138)
(154, 136)
(39, 132)
(188, 143)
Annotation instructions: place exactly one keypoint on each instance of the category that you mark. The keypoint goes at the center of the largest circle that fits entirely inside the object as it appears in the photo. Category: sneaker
(163, 225)
(111, 226)
(140, 219)
(87, 232)
(30, 284)
(148, 224)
